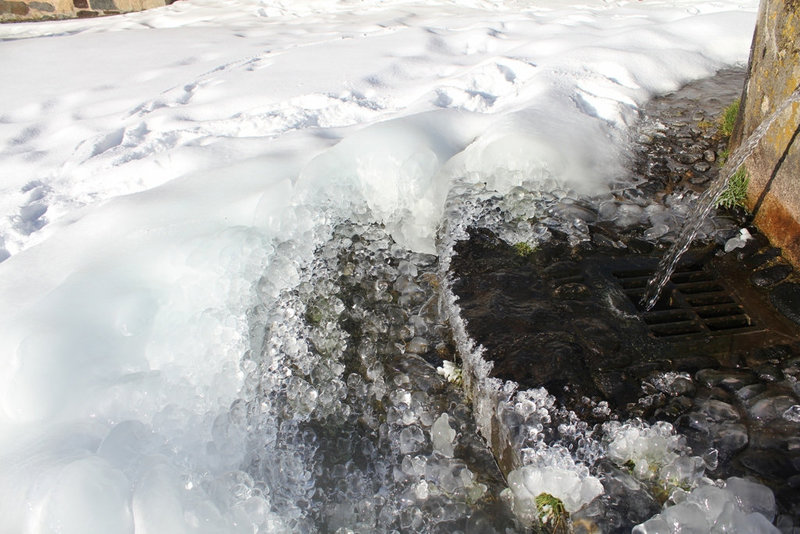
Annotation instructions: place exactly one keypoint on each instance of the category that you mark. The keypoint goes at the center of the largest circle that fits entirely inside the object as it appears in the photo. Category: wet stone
(762, 258)
(768, 373)
(771, 407)
(773, 355)
(768, 463)
(728, 379)
(786, 298)
(698, 179)
(770, 276)
(730, 439)
(688, 159)
(748, 392)
(720, 411)
(571, 291)
(677, 407)
(791, 367)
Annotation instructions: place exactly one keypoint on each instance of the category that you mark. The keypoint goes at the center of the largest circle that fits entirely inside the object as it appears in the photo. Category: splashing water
(705, 204)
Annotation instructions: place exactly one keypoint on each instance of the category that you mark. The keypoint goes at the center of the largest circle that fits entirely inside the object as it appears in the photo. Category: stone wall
(30, 10)
(774, 167)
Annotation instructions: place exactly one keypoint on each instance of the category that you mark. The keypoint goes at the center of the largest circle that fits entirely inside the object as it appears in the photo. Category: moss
(728, 119)
(705, 125)
(552, 514)
(736, 192)
(523, 249)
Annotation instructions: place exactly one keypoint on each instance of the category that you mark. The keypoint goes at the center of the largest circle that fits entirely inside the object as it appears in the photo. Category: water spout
(705, 204)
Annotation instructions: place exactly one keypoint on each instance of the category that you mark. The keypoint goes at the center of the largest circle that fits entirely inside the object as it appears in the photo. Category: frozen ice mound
(650, 451)
(571, 486)
(739, 505)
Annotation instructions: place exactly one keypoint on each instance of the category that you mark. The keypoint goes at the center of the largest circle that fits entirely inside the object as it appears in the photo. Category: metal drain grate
(694, 302)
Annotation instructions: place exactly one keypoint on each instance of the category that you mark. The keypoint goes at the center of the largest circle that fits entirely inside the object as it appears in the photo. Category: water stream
(706, 202)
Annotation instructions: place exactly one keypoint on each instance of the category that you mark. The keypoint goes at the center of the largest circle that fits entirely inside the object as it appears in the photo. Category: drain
(695, 302)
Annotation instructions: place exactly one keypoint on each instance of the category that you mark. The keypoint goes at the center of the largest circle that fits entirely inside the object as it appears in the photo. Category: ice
(792, 413)
(711, 499)
(567, 485)
(673, 383)
(442, 436)
(741, 506)
(739, 241)
(87, 495)
(628, 215)
(417, 345)
(649, 449)
(752, 497)
(686, 517)
(411, 439)
(654, 232)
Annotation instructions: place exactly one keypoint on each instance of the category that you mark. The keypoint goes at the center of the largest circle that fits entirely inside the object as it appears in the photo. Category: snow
(165, 172)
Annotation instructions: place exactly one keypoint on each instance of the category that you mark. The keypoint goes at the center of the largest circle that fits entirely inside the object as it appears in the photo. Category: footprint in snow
(30, 217)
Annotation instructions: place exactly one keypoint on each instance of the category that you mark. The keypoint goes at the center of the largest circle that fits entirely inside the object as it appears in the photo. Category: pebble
(720, 411)
(771, 408)
(769, 373)
(701, 166)
(709, 156)
(770, 276)
(688, 158)
(762, 258)
(731, 438)
(786, 298)
(730, 380)
(698, 179)
(748, 392)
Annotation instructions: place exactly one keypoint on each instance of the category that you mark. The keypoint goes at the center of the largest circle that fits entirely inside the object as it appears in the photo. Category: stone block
(138, 5)
(13, 8)
(42, 6)
(774, 167)
(104, 5)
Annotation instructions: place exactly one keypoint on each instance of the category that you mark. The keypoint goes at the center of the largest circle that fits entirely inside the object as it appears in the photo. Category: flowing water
(707, 202)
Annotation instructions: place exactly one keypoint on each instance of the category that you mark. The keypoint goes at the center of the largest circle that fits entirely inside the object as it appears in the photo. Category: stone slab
(774, 167)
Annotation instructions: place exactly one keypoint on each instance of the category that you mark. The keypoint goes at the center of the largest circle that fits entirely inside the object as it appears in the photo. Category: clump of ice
(739, 505)
(555, 473)
(652, 452)
(738, 241)
(450, 371)
(442, 436)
